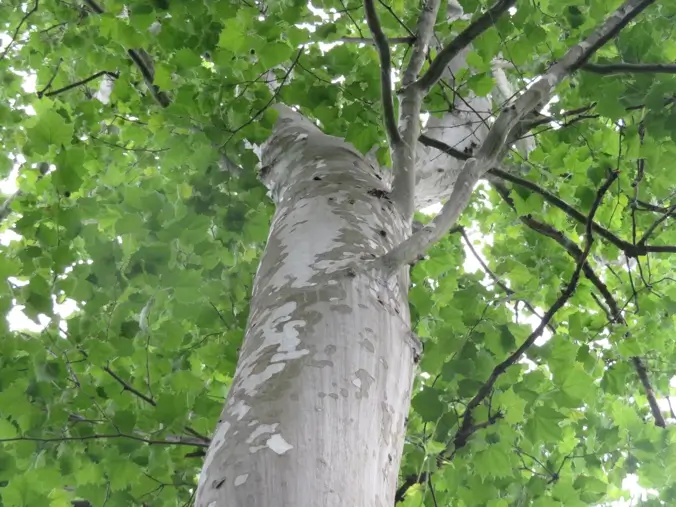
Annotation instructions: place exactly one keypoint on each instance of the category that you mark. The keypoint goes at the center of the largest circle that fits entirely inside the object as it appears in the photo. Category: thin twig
(18, 27)
(633, 68)
(174, 440)
(86, 80)
(127, 387)
(656, 224)
(495, 277)
(391, 40)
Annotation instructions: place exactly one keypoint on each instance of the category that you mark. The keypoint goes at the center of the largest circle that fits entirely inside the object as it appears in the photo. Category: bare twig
(656, 224)
(171, 440)
(18, 27)
(383, 47)
(51, 79)
(633, 68)
(648, 390)
(391, 40)
(44, 93)
(127, 387)
(464, 39)
(495, 277)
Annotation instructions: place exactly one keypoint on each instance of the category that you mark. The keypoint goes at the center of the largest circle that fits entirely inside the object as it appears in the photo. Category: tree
(353, 356)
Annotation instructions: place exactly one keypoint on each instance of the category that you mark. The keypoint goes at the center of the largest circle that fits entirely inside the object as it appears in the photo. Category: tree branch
(648, 390)
(127, 387)
(142, 61)
(495, 277)
(451, 50)
(465, 430)
(632, 250)
(391, 40)
(632, 68)
(171, 440)
(44, 93)
(18, 27)
(613, 310)
(424, 33)
(411, 97)
(656, 224)
(383, 47)
(493, 148)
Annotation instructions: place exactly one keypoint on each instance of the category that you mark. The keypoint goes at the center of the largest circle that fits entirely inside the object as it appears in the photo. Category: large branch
(641, 248)
(451, 50)
(142, 61)
(493, 148)
(403, 154)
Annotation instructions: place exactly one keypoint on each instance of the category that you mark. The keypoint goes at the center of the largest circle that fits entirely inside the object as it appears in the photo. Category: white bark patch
(365, 380)
(287, 342)
(299, 250)
(287, 356)
(261, 430)
(240, 409)
(278, 444)
(251, 383)
(241, 479)
(301, 137)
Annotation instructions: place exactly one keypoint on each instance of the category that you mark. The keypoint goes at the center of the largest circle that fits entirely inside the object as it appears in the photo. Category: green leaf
(544, 425)
(428, 405)
(232, 35)
(7, 429)
(274, 53)
(50, 130)
(481, 84)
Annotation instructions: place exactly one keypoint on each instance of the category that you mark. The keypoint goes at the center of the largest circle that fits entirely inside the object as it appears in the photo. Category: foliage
(138, 224)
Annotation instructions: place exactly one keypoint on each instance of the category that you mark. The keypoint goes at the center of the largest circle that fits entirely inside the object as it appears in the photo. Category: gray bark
(315, 415)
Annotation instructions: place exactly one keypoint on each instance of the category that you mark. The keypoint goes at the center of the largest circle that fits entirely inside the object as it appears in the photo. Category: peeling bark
(316, 412)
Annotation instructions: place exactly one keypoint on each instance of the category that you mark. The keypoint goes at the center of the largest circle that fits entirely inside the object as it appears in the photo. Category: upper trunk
(316, 412)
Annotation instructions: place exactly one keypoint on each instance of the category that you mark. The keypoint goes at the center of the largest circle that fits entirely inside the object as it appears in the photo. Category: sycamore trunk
(317, 409)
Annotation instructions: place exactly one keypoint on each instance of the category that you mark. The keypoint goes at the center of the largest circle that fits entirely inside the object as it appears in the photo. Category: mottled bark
(316, 412)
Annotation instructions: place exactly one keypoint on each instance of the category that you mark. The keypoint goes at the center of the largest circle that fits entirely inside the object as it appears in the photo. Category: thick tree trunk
(316, 412)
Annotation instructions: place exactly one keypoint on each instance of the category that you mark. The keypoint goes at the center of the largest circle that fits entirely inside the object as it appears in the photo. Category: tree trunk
(316, 412)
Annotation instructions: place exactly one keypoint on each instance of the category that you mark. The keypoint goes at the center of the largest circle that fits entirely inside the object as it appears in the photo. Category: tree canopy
(132, 130)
